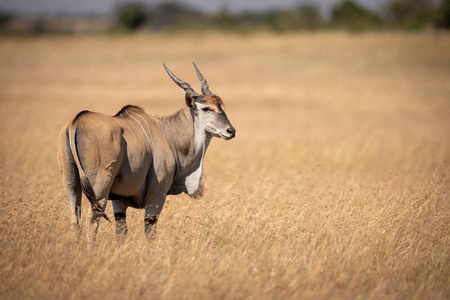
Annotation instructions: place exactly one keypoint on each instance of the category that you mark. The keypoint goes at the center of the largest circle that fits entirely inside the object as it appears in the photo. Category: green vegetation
(348, 15)
(353, 17)
(443, 15)
(410, 15)
(413, 14)
(131, 16)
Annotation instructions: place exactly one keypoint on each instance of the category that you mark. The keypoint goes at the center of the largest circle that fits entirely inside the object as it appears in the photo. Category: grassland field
(336, 186)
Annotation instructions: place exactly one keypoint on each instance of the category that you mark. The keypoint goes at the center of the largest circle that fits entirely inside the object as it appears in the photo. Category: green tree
(410, 14)
(443, 15)
(131, 16)
(5, 18)
(353, 17)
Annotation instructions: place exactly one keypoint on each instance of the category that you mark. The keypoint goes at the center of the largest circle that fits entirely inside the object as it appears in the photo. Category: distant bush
(443, 15)
(131, 16)
(225, 21)
(410, 14)
(173, 15)
(353, 17)
(5, 18)
(310, 17)
(303, 18)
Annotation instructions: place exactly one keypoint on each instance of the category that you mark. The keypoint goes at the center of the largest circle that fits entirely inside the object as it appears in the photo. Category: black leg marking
(150, 225)
(120, 216)
(121, 226)
(151, 220)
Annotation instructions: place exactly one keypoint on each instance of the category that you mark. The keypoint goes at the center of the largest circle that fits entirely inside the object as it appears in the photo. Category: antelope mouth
(226, 136)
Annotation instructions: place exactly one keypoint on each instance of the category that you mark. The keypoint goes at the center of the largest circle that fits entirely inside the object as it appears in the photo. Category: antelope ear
(190, 102)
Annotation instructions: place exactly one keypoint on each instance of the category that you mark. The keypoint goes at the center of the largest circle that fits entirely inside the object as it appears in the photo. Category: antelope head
(207, 108)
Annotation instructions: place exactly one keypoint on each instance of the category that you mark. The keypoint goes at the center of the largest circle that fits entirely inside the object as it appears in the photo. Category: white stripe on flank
(130, 128)
(148, 132)
(137, 130)
(149, 143)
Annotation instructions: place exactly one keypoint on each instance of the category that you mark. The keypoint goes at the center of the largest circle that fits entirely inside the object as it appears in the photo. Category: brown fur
(214, 102)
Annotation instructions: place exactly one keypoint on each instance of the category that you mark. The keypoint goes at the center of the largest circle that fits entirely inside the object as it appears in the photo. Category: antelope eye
(206, 109)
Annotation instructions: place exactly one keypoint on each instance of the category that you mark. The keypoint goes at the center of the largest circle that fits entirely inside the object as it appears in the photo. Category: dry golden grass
(337, 185)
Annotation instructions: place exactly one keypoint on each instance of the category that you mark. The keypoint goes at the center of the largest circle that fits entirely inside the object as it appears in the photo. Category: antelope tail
(85, 184)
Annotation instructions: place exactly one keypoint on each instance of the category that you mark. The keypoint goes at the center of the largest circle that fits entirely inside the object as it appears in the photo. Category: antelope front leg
(151, 216)
(150, 225)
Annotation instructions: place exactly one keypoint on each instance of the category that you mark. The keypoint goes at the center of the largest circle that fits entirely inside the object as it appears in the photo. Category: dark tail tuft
(89, 192)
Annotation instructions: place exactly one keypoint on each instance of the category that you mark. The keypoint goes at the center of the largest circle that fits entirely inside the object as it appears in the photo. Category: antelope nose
(232, 131)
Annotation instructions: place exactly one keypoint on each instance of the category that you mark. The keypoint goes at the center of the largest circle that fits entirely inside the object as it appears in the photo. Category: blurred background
(113, 16)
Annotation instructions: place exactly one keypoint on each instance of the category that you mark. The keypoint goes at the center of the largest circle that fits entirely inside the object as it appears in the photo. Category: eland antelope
(136, 160)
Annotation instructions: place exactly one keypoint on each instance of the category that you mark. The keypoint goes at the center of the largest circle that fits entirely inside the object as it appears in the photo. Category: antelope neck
(187, 139)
